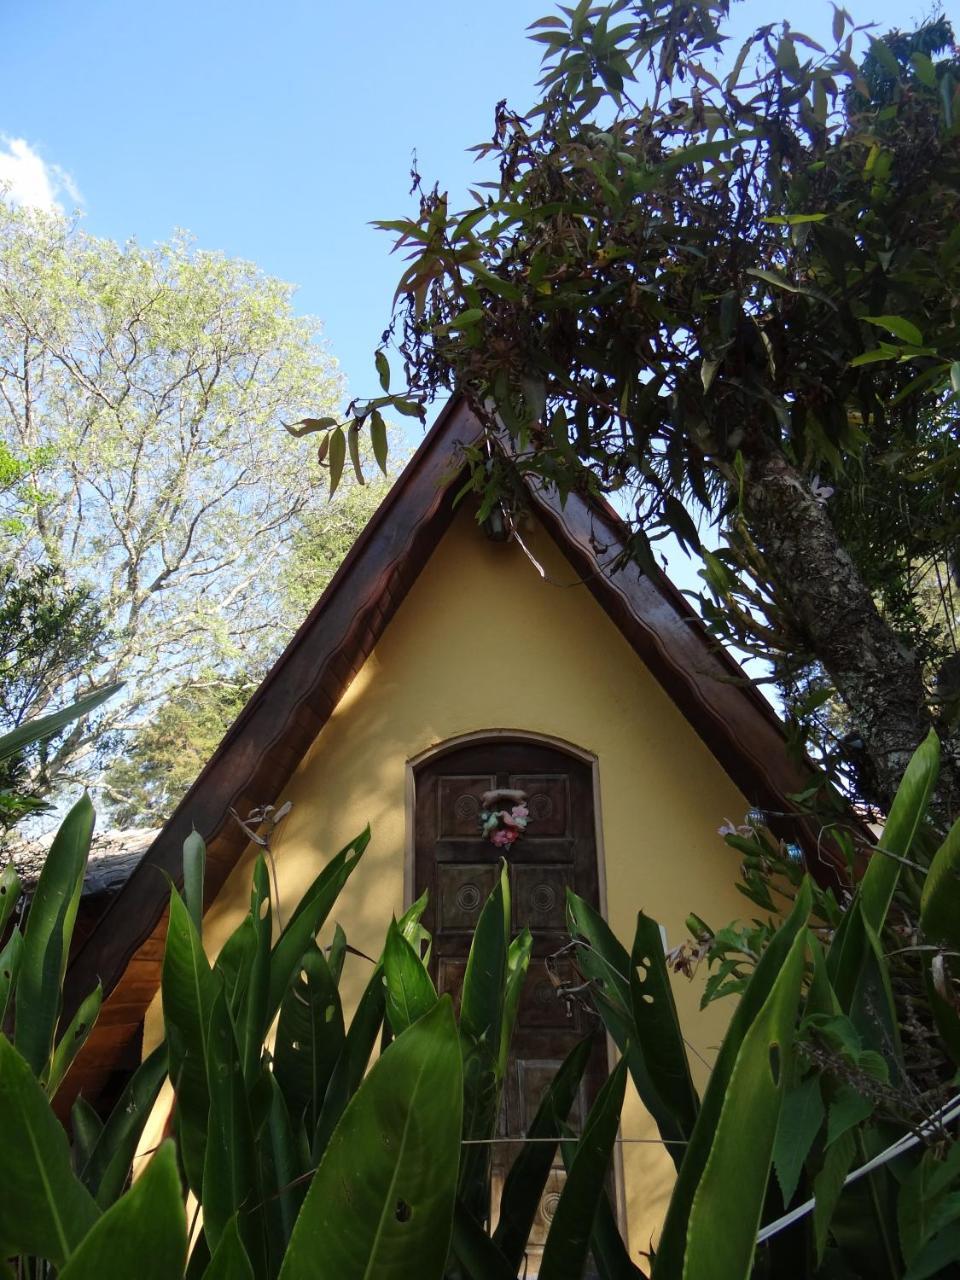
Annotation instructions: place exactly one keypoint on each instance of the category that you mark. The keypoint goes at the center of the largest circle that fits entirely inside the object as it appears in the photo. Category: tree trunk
(880, 680)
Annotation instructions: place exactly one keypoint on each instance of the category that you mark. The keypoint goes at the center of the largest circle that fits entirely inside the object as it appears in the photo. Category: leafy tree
(731, 291)
(140, 390)
(164, 757)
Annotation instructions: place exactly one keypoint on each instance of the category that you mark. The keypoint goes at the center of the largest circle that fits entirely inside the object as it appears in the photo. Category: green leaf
(46, 942)
(794, 219)
(230, 1171)
(10, 890)
(194, 861)
(524, 1184)
(518, 962)
(477, 1254)
(565, 1252)
(284, 1162)
(410, 993)
(828, 1185)
(86, 1127)
(12, 743)
(144, 1234)
(955, 376)
(899, 326)
(74, 1038)
(670, 1254)
(939, 917)
(308, 919)
(847, 1109)
(659, 1037)
(608, 1246)
(378, 439)
(10, 958)
(254, 1016)
(189, 989)
(104, 1173)
(873, 356)
(727, 1204)
(801, 1116)
(310, 1037)
(354, 1056)
(235, 961)
(44, 1209)
(230, 1261)
(353, 440)
(383, 369)
(381, 1202)
(336, 457)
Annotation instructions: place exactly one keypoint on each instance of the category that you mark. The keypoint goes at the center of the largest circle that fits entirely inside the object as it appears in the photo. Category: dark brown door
(459, 868)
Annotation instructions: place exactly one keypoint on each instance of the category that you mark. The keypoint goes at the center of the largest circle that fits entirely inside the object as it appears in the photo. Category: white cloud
(30, 180)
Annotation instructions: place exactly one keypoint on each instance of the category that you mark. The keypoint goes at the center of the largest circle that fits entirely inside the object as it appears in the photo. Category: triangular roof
(263, 747)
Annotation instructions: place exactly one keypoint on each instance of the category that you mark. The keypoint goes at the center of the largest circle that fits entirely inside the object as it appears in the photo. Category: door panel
(459, 868)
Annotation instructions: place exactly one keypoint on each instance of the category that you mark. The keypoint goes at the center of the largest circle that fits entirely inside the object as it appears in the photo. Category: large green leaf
(10, 958)
(310, 1036)
(74, 1038)
(518, 962)
(801, 1116)
(230, 1170)
(230, 1261)
(44, 1209)
(284, 1162)
(105, 1171)
(410, 993)
(939, 917)
(670, 1253)
(477, 1254)
(307, 921)
(46, 943)
(189, 989)
(524, 1184)
(144, 1234)
(10, 890)
(86, 1127)
(726, 1208)
(194, 864)
(236, 960)
(254, 1019)
(604, 960)
(567, 1246)
(381, 1202)
(12, 743)
(481, 1026)
(608, 1247)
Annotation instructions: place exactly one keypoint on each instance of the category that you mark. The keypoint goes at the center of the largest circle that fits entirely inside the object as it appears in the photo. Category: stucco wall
(481, 642)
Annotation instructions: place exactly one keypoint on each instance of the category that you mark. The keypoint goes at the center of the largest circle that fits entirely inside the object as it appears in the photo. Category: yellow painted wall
(480, 643)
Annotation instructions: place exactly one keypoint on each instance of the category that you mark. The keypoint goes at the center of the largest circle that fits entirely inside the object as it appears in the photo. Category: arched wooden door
(459, 868)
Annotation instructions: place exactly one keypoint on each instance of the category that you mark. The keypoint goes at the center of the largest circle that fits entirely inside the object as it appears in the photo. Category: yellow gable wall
(482, 643)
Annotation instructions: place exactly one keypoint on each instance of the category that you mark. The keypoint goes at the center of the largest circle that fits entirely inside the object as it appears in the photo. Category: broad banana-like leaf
(74, 1038)
(518, 962)
(726, 1208)
(939, 917)
(253, 1022)
(907, 812)
(284, 1163)
(872, 1009)
(410, 993)
(236, 960)
(144, 1234)
(609, 1250)
(658, 1026)
(194, 864)
(308, 919)
(602, 958)
(672, 1247)
(44, 1208)
(87, 1127)
(10, 958)
(481, 1025)
(231, 1180)
(104, 1173)
(360, 1039)
(568, 1243)
(230, 1262)
(338, 953)
(46, 941)
(381, 1202)
(524, 1184)
(25, 735)
(477, 1254)
(10, 890)
(310, 1036)
(189, 988)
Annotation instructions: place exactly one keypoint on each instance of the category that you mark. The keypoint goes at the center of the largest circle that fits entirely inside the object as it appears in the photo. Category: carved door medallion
(459, 868)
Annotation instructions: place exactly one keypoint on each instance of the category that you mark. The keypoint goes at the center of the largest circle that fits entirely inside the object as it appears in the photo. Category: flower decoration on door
(503, 816)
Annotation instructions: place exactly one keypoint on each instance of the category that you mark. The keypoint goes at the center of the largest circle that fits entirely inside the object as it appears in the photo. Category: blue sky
(277, 132)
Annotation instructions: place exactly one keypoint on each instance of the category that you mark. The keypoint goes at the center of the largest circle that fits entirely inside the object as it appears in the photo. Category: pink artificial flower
(503, 837)
(520, 811)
